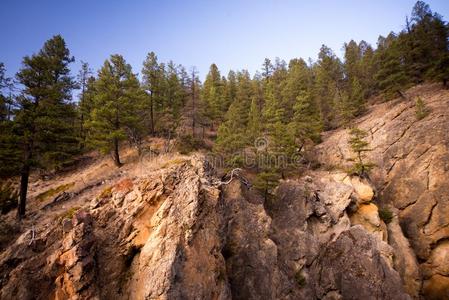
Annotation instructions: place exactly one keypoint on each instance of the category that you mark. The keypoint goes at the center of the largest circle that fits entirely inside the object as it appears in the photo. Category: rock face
(412, 161)
(177, 234)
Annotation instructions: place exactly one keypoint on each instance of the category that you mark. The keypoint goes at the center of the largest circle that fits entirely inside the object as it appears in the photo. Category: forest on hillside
(288, 105)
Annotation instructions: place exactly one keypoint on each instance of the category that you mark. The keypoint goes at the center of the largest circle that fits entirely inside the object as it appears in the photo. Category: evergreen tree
(232, 133)
(46, 116)
(427, 38)
(267, 69)
(230, 90)
(367, 69)
(306, 120)
(391, 75)
(10, 154)
(85, 82)
(360, 146)
(153, 77)
(328, 83)
(174, 95)
(117, 103)
(213, 95)
(299, 80)
(254, 121)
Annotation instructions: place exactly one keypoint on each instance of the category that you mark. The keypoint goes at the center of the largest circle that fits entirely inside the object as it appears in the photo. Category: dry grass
(173, 162)
(105, 193)
(54, 191)
(68, 214)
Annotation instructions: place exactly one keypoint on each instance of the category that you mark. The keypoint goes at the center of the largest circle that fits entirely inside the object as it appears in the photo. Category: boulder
(367, 215)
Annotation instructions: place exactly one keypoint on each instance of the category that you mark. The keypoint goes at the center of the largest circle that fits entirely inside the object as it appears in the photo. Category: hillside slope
(166, 227)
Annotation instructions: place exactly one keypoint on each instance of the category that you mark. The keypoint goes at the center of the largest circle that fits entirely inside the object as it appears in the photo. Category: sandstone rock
(436, 287)
(363, 189)
(354, 266)
(177, 235)
(367, 215)
(67, 225)
(412, 160)
(405, 261)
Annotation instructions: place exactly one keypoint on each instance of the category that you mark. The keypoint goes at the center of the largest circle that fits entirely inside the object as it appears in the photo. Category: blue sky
(233, 34)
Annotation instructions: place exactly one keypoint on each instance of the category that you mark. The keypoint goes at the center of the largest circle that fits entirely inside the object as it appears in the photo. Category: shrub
(300, 279)
(54, 191)
(188, 143)
(8, 197)
(266, 182)
(68, 214)
(386, 215)
(173, 162)
(421, 109)
(105, 193)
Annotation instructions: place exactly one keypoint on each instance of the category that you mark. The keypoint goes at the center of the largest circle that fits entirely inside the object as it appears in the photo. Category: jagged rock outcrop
(285, 250)
(412, 161)
(180, 234)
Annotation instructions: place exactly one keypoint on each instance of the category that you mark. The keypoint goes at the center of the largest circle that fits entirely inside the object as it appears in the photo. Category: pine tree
(173, 98)
(45, 117)
(306, 120)
(230, 90)
(153, 77)
(254, 121)
(231, 138)
(427, 37)
(359, 146)
(367, 69)
(10, 154)
(299, 79)
(329, 77)
(267, 69)
(391, 75)
(117, 103)
(213, 95)
(85, 82)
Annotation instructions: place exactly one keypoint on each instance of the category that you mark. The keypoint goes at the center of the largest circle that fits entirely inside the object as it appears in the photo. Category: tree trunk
(151, 114)
(115, 153)
(193, 104)
(24, 176)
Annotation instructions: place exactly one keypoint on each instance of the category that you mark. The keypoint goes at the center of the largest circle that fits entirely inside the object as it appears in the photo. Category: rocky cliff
(411, 177)
(180, 232)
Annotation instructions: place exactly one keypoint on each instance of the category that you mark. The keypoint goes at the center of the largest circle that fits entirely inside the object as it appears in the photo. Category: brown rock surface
(176, 235)
(412, 162)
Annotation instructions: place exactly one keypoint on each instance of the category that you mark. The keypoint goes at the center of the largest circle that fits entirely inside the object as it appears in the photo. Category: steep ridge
(412, 162)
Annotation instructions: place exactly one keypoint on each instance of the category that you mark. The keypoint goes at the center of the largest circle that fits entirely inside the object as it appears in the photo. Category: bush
(386, 215)
(54, 191)
(105, 193)
(188, 143)
(421, 109)
(266, 182)
(8, 197)
(300, 279)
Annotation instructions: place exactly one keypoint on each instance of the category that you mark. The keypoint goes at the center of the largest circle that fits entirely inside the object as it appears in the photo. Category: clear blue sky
(233, 34)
